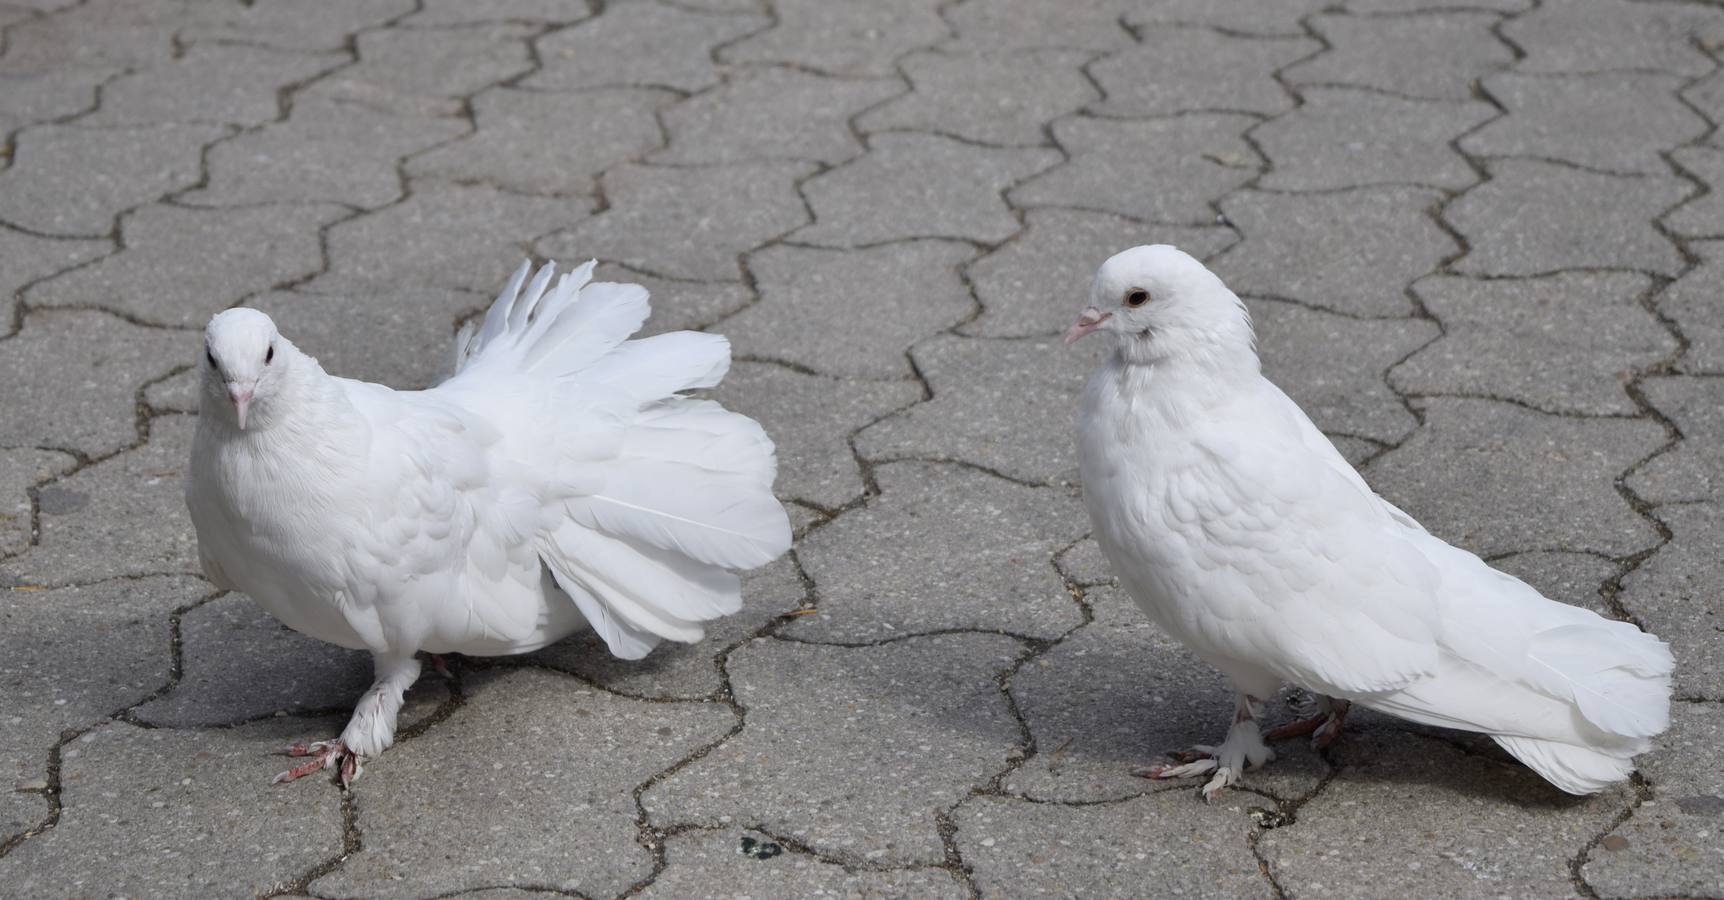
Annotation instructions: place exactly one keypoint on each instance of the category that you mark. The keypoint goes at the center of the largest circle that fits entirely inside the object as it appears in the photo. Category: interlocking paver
(1670, 846)
(73, 377)
(678, 305)
(88, 521)
(1694, 469)
(1413, 6)
(919, 185)
(20, 470)
(842, 39)
(1333, 366)
(1703, 215)
(212, 84)
(1435, 55)
(644, 42)
(1546, 112)
(1006, 25)
(122, 33)
(1168, 170)
(771, 112)
(1534, 217)
(1083, 564)
(714, 212)
(1352, 251)
(66, 180)
(427, 70)
(395, 334)
(1616, 35)
(708, 863)
(565, 756)
(900, 732)
(298, 24)
(1176, 69)
(467, 12)
(1547, 479)
(535, 142)
(1029, 88)
(1006, 405)
(1240, 16)
(1577, 579)
(983, 545)
(325, 151)
(1690, 302)
(910, 291)
(33, 95)
(180, 266)
(1034, 285)
(30, 259)
(1566, 342)
(1343, 138)
(1672, 595)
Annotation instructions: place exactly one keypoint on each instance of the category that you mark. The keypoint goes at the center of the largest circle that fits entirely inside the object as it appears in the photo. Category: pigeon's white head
(1161, 304)
(244, 364)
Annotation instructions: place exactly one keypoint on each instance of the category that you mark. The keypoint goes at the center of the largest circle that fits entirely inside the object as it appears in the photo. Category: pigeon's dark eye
(210, 354)
(1136, 297)
(269, 355)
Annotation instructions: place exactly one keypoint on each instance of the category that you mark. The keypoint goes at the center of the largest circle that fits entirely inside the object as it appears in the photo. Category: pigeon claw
(324, 755)
(1323, 727)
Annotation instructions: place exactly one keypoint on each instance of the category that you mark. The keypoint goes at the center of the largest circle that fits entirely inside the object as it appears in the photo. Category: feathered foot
(324, 755)
(1324, 727)
(1243, 748)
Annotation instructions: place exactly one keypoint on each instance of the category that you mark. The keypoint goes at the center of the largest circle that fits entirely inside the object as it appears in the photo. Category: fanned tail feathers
(655, 523)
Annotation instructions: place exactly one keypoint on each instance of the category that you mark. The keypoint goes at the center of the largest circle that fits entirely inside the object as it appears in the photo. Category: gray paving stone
(1574, 578)
(1034, 285)
(910, 290)
(213, 84)
(1673, 843)
(1177, 69)
(681, 671)
(97, 33)
(713, 864)
(73, 377)
(1406, 6)
(299, 24)
(919, 185)
(158, 813)
(1342, 137)
(810, 418)
(1567, 342)
(180, 266)
(1169, 170)
(549, 143)
(1353, 252)
(842, 39)
(1436, 55)
(176, 393)
(73, 181)
(34, 95)
(1672, 596)
(1006, 405)
(679, 305)
(1707, 95)
(427, 70)
(1006, 25)
(468, 12)
(451, 236)
(1083, 564)
(1694, 469)
(942, 547)
(1691, 302)
(766, 113)
(639, 43)
(1118, 694)
(75, 655)
(21, 469)
(1021, 849)
(687, 223)
(900, 731)
(89, 521)
(1533, 217)
(391, 334)
(326, 151)
(30, 258)
(1493, 477)
(563, 756)
(1614, 35)
(1243, 16)
(989, 98)
(1482, 826)
(1627, 118)
(1702, 216)
(1333, 366)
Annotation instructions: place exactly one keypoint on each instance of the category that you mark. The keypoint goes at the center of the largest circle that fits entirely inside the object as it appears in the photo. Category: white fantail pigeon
(558, 480)
(1243, 533)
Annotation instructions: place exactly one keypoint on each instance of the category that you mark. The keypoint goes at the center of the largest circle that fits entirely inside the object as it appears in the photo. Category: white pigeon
(557, 481)
(1242, 533)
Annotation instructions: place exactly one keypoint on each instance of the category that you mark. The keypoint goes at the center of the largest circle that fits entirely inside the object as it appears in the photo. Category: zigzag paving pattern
(1479, 238)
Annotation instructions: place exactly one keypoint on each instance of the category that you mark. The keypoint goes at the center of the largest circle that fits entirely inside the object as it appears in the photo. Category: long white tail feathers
(1617, 675)
(686, 497)
(1576, 770)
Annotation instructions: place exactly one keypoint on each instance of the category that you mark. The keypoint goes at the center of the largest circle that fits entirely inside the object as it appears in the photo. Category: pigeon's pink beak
(241, 397)
(1087, 321)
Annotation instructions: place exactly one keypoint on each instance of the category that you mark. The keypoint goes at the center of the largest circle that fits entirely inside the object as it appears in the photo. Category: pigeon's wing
(1305, 567)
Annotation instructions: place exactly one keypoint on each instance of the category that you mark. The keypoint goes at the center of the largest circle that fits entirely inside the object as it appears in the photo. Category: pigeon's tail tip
(1575, 769)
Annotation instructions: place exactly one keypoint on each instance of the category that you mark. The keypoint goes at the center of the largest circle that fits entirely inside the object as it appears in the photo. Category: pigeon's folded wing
(1307, 568)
